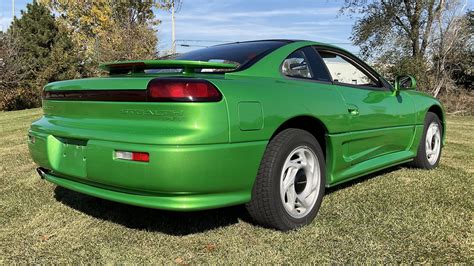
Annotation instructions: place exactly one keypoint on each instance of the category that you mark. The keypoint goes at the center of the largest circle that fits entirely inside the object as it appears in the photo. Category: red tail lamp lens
(140, 157)
(183, 91)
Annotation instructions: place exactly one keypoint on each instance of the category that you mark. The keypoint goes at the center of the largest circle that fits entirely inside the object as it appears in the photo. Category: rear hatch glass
(241, 54)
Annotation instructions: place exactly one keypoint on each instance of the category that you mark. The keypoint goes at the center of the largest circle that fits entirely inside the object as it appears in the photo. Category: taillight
(182, 90)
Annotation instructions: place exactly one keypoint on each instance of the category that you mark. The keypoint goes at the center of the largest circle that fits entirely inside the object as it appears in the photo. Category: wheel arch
(309, 123)
(437, 110)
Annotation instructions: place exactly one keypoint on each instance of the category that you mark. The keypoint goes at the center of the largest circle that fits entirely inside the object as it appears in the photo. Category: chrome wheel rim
(300, 182)
(433, 143)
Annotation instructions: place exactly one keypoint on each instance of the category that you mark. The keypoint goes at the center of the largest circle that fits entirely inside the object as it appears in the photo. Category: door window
(346, 72)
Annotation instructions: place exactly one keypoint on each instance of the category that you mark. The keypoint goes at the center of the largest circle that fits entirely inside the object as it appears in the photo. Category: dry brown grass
(458, 102)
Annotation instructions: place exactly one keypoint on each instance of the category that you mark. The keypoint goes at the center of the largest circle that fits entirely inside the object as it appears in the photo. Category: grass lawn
(398, 215)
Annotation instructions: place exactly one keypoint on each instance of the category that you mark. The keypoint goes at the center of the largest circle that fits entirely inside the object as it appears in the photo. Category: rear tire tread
(262, 207)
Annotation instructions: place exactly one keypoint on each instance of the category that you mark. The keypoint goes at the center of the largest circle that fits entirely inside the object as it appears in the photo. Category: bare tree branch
(431, 16)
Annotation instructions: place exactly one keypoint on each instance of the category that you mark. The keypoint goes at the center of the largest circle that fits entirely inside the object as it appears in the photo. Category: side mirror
(404, 83)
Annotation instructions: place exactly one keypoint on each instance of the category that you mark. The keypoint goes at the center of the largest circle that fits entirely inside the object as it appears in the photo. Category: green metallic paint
(137, 122)
(250, 116)
(165, 202)
(425, 103)
(384, 123)
(206, 155)
(176, 170)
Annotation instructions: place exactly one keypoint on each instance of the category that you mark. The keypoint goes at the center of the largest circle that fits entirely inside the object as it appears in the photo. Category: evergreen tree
(40, 52)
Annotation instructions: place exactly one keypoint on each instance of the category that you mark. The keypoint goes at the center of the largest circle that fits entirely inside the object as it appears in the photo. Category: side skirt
(340, 168)
(367, 172)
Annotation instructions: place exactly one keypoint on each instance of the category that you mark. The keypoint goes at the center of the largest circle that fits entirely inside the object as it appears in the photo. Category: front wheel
(290, 184)
(429, 150)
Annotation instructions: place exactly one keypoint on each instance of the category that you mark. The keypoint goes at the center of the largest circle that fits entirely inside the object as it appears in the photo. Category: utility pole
(173, 6)
(13, 9)
(173, 40)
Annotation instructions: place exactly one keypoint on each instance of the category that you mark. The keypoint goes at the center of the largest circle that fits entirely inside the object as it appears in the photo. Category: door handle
(352, 109)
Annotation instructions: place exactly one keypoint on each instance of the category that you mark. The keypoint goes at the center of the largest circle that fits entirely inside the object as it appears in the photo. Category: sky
(202, 23)
(239, 20)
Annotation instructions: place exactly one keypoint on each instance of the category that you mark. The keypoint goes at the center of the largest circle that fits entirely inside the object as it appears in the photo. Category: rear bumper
(165, 201)
(178, 177)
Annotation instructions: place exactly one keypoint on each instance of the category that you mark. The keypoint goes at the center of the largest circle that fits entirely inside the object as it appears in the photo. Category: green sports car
(269, 124)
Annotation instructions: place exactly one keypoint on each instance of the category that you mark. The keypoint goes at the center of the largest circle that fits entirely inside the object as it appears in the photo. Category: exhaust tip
(41, 172)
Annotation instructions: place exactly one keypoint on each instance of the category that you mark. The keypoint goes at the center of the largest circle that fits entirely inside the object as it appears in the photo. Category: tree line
(66, 39)
(431, 40)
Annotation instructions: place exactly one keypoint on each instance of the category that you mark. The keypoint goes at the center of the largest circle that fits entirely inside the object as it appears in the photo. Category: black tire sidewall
(300, 138)
(430, 118)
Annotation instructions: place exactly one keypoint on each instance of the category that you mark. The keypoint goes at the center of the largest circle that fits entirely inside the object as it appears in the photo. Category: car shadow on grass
(168, 222)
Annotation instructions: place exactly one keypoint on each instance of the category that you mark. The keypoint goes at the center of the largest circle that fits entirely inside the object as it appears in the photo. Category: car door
(380, 121)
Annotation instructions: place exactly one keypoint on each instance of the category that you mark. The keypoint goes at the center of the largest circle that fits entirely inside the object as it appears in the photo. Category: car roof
(288, 41)
(268, 40)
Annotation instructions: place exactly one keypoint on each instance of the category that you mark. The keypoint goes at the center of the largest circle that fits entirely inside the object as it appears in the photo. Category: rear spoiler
(138, 66)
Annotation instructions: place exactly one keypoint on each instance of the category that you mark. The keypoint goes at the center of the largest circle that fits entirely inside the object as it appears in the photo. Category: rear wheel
(290, 183)
(429, 150)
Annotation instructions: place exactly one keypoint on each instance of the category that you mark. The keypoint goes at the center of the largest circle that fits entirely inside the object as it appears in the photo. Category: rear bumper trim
(175, 202)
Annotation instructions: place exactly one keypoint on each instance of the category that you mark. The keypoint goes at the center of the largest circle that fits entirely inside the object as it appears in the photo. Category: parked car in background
(269, 124)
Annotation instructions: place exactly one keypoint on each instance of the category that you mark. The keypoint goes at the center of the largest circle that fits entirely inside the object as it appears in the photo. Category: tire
(429, 149)
(293, 156)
